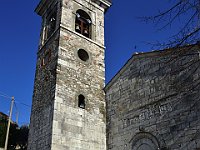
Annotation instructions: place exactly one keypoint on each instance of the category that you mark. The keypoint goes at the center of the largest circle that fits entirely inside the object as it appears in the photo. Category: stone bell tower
(68, 109)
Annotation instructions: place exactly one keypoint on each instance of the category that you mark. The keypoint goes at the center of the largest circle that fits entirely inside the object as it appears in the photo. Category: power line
(18, 102)
(17, 110)
(2, 95)
(5, 94)
(17, 113)
(16, 106)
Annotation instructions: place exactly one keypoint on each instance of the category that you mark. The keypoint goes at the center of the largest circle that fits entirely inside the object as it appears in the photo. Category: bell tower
(68, 108)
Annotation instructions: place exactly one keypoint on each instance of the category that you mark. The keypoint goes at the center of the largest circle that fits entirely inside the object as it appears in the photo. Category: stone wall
(154, 102)
(74, 127)
(40, 134)
(62, 75)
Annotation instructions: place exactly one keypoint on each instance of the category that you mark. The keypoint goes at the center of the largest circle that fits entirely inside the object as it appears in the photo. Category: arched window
(83, 23)
(81, 101)
(145, 141)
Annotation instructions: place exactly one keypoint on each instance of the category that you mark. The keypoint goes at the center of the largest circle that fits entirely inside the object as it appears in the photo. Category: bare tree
(187, 12)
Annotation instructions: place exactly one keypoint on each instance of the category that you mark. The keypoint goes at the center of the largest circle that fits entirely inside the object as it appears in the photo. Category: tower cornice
(40, 7)
(103, 3)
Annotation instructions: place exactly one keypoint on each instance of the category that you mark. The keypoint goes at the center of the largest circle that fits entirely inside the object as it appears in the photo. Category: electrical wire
(18, 102)
(16, 107)
(2, 94)
(5, 96)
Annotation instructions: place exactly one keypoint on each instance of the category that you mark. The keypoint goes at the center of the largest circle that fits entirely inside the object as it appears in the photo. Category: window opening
(46, 59)
(50, 24)
(81, 101)
(83, 55)
(83, 23)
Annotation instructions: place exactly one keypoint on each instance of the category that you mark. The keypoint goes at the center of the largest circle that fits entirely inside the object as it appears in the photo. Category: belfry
(68, 108)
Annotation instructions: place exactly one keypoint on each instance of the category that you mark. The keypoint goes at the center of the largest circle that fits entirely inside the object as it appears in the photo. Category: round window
(83, 55)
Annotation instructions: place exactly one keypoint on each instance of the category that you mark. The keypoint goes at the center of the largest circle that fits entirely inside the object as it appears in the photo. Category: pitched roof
(3, 115)
(142, 55)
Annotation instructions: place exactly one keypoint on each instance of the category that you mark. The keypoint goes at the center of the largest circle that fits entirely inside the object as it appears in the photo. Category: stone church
(152, 103)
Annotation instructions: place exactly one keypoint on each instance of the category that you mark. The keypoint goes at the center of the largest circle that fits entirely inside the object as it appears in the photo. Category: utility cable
(9, 97)
(5, 94)
(18, 102)
(2, 95)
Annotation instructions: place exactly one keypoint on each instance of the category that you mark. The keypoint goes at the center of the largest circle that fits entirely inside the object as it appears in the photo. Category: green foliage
(17, 136)
(3, 128)
(13, 134)
(22, 137)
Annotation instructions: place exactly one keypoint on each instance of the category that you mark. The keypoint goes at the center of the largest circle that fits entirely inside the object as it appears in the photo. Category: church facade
(152, 103)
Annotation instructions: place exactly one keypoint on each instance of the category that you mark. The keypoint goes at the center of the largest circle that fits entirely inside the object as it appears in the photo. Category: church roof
(143, 55)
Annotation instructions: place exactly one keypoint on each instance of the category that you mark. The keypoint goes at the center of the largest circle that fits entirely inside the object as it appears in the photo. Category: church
(152, 103)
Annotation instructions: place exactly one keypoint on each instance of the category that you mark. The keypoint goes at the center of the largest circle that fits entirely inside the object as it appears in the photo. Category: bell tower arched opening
(83, 23)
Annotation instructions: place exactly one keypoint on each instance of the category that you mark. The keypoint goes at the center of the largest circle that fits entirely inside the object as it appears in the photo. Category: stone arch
(144, 141)
(83, 23)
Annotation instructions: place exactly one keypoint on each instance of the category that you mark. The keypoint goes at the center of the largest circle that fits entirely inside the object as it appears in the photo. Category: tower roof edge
(103, 3)
(41, 4)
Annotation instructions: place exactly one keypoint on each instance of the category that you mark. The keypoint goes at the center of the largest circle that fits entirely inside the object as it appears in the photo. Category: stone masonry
(62, 77)
(154, 102)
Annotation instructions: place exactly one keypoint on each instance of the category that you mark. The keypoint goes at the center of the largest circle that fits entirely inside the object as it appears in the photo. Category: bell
(86, 31)
(82, 106)
(77, 27)
(78, 15)
(52, 19)
(89, 21)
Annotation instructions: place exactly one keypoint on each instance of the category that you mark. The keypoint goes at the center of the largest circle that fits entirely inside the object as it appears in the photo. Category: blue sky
(19, 37)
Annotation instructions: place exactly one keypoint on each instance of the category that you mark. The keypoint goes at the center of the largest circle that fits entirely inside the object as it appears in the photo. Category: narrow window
(81, 101)
(83, 23)
(50, 24)
(46, 59)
